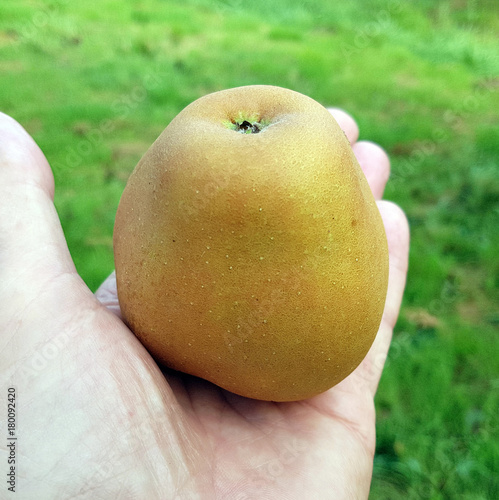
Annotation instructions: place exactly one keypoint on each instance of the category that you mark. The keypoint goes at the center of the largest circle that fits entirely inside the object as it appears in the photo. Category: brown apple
(249, 249)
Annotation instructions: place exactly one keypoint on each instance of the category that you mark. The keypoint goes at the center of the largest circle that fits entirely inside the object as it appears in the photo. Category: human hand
(96, 417)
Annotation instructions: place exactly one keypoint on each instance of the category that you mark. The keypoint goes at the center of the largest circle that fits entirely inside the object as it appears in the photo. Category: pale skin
(97, 418)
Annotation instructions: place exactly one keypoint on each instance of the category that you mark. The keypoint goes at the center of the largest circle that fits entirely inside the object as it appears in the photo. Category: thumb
(40, 290)
(41, 294)
(33, 249)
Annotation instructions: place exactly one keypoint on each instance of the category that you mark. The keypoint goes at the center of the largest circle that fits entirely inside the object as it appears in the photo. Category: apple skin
(255, 259)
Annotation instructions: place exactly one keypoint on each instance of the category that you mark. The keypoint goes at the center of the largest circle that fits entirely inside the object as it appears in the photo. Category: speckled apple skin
(256, 261)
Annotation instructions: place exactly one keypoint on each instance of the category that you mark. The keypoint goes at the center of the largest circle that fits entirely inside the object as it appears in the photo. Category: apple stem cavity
(248, 128)
(246, 125)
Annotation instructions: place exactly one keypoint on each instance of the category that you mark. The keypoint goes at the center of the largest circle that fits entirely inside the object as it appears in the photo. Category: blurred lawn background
(95, 84)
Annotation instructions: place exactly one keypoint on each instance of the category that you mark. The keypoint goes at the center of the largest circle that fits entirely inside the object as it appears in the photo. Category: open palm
(97, 418)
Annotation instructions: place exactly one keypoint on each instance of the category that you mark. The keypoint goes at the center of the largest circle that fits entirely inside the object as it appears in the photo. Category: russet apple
(249, 249)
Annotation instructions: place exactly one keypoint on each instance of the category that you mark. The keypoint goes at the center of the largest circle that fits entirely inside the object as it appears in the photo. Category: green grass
(96, 85)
